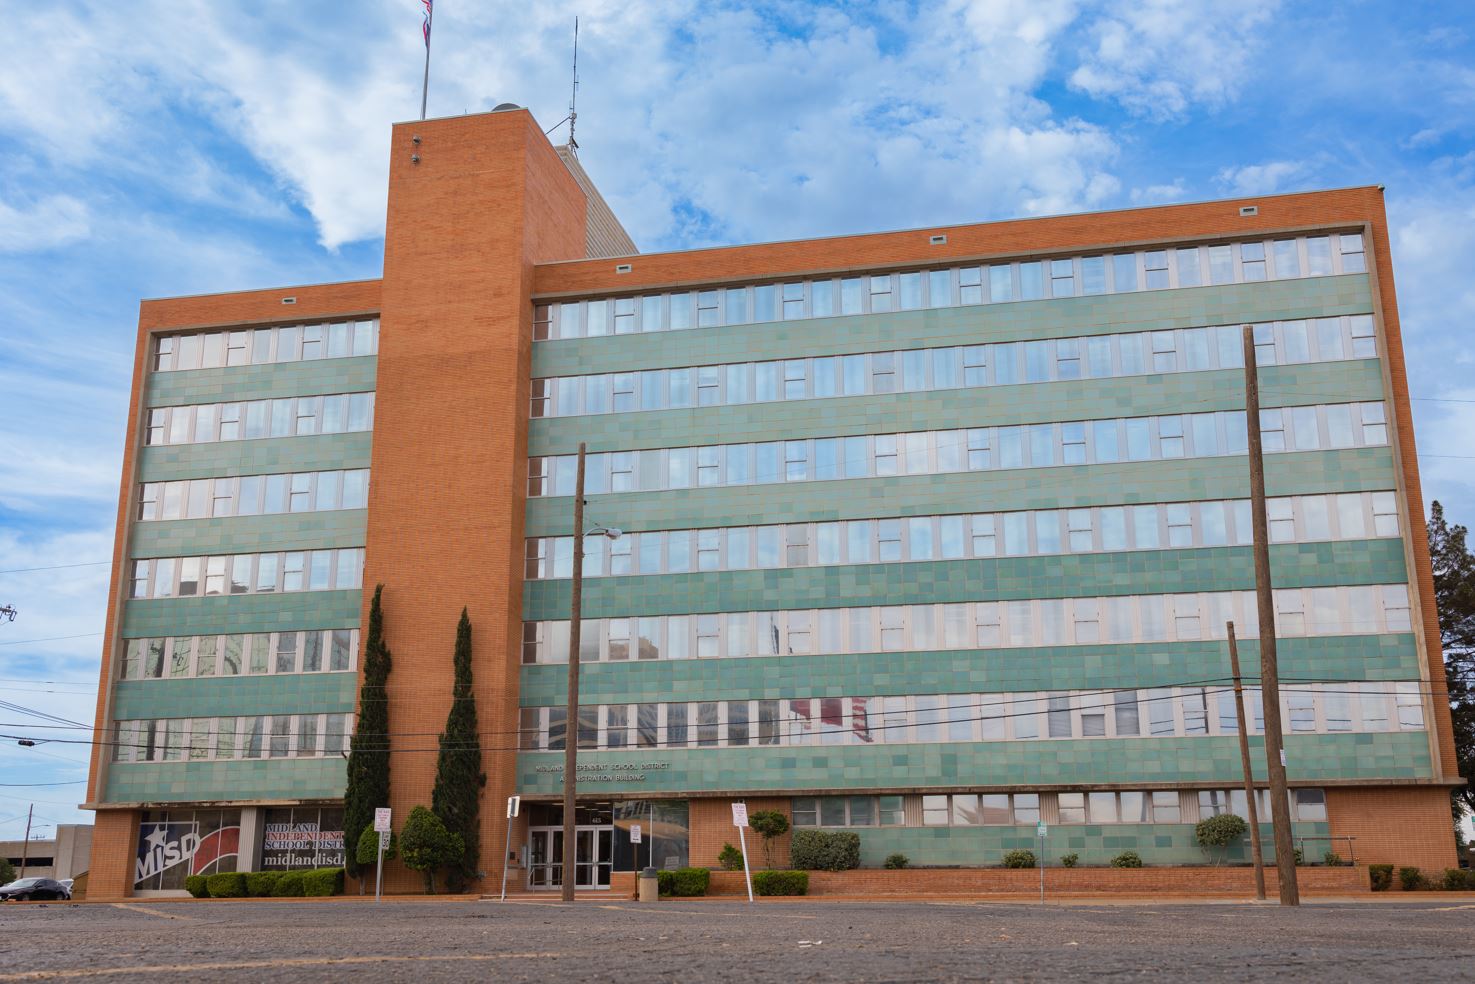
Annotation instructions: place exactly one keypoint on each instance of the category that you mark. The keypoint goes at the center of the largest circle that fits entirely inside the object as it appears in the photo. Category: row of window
(254, 495)
(995, 283)
(1027, 809)
(264, 573)
(1356, 610)
(1185, 435)
(259, 737)
(1167, 712)
(1305, 518)
(293, 416)
(259, 346)
(313, 651)
(918, 370)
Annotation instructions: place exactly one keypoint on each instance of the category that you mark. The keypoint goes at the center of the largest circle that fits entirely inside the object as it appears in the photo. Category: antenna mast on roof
(573, 116)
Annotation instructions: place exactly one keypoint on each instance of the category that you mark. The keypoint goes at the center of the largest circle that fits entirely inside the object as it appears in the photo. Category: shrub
(226, 885)
(1300, 857)
(1127, 859)
(1019, 858)
(896, 862)
(7, 871)
(665, 881)
(426, 845)
(730, 858)
(1459, 880)
(823, 850)
(690, 882)
(1332, 859)
(195, 885)
(1069, 860)
(781, 883)
(1410, 879)
(1220, 832)
(1380, 877)
(322, 882)
(769, 824)
(259, 884)
(289, 885)
(367, 852)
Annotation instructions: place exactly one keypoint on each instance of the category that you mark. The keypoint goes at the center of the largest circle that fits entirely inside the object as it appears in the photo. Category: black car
(34, 889)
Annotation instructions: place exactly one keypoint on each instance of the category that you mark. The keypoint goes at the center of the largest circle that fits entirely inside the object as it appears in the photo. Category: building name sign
(610, 771)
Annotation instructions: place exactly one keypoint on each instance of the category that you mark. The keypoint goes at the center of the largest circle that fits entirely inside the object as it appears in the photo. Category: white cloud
(1157, 58)
(1160, 194)
(42, 224)
(1260, 179)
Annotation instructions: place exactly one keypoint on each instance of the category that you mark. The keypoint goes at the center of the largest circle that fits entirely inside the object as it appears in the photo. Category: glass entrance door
(594, 856)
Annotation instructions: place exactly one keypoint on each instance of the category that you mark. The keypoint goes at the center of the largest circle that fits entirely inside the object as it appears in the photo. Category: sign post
(382, 828)
(635, 838)
(514, 806)
(1040, 831)
(740, 820)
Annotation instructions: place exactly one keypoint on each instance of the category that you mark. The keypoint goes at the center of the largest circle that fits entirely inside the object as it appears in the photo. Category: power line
(55, 567)
(27, 642)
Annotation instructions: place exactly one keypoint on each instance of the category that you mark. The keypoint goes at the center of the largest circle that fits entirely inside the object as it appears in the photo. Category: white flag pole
(425, 86)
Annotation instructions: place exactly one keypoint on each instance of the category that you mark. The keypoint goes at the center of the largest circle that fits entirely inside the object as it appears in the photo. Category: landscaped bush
(896, 862)
(1332, 859)
(195, 885)
(1127, 859)
(690, 882)
(1459, 880)
(1380, 877)
(730, 858)
(781, 883)
(823, 850)
(1221, 833)
(1019, 858)
(1411, 879)
(322, 882)
(259, 884)
(226, 885)
(665, 881)
(1300, 857)
(289, 885)
(1069, 860)
(770, 825)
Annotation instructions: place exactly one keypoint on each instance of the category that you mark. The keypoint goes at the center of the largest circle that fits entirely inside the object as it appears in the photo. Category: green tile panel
(1228, 304)
(1096, 844)
(968, 671)
(239, 696)
(1062, 487)
(976, 406)
(241, 613)
(262, 456)
(265, 382)
(277, 780)
(249, 534)
(1095, 761)
(999, 579)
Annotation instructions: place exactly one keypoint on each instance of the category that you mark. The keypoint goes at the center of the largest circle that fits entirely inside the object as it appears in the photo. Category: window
(1354, 259)
(1155, 264)
(1252, 261)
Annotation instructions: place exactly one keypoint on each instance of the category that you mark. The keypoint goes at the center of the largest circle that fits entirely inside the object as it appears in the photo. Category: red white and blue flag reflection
(425, 27)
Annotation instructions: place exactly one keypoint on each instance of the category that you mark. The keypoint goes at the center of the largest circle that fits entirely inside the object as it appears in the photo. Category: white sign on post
(1040, 829)
(740, 821)
(382, 828)
(635, 833)
(514, 804)
(381, 820)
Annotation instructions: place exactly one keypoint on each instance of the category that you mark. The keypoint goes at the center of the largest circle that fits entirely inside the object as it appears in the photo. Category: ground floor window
(175, 843)
(302, 837)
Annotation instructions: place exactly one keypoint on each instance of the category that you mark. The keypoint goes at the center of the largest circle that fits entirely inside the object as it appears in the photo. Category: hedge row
(684, 882)
(781, 882)
(1412, 879)
(823, 850)
(316, 882)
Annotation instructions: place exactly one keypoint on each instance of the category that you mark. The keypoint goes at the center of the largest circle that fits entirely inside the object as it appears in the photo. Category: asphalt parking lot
(730, 941)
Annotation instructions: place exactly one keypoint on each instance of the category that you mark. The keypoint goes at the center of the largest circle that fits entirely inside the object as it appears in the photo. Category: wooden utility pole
(571, 727)
(25, 851)
(1275, 767)
(1244, 757)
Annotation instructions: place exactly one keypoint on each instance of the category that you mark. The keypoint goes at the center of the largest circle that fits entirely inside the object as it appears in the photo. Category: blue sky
(157, 148)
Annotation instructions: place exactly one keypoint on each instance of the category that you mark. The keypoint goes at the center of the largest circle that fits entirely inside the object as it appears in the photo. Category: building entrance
(594, 856)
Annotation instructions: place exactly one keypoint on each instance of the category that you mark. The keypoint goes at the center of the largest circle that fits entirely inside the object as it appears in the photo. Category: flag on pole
(425, 26)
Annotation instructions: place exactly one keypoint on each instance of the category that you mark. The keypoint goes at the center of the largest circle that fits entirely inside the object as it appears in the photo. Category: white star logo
(159, 836)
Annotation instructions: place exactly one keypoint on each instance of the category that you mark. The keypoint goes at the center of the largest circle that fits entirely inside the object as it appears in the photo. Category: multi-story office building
(929, 535)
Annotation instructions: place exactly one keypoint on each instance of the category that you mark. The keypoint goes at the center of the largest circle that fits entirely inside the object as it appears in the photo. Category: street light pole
(571, 726)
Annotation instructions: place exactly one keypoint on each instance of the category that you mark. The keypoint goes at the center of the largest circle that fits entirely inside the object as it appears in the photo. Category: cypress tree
(456, 798)
(368, 756)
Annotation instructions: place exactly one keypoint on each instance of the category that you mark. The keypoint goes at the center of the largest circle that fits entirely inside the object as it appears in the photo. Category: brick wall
(711, 827)
(1394, 826)
(114, 849)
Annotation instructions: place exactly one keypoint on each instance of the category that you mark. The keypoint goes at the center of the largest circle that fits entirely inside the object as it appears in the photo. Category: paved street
(723, 941)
